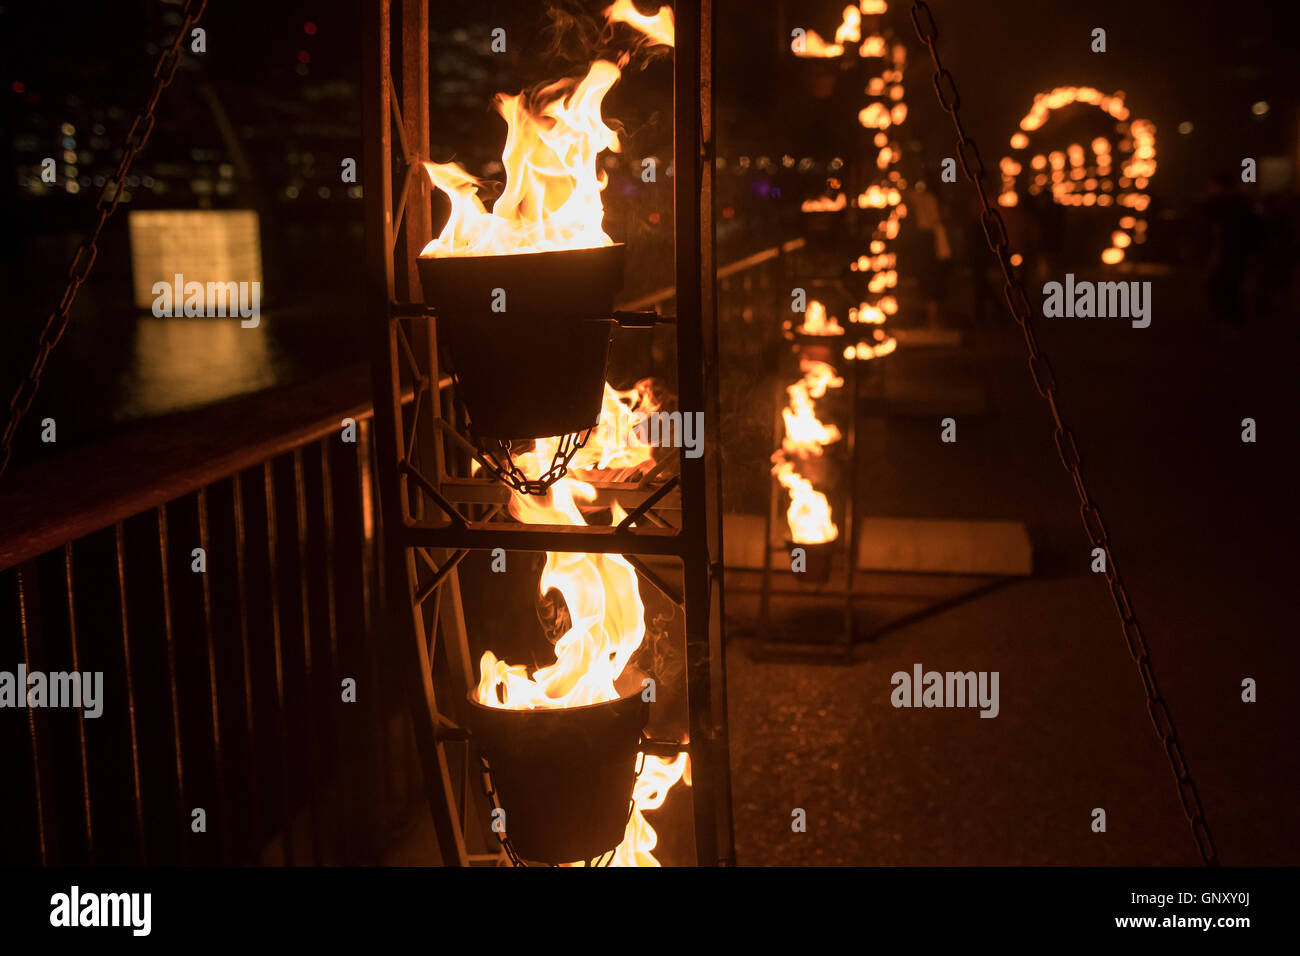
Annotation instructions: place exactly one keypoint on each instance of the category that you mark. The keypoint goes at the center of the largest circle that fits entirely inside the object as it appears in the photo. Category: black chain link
(57, 322)
(1045, 382)
(490, 792)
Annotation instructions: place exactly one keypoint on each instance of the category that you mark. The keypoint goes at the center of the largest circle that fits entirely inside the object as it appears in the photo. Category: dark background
(1206, 529)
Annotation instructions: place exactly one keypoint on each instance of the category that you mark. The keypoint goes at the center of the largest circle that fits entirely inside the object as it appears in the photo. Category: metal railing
(224, 690)
(247, 714)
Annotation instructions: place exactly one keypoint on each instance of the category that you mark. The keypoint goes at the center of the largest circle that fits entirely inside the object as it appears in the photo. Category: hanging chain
(945, 87)
(105, 206)
(489, 790)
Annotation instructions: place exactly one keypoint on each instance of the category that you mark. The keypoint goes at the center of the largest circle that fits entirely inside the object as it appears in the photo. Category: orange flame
(809, 514)
(600, 590)
(816, 322)
(658, 776)
(551, 197)
(865, 351)
(805, 433)
(551, 201)
(849, 31)
(816, 48)
(552, 189)
(850, 28)
(824, 204)
(1089, 183)
(658, 26)
(603, 596)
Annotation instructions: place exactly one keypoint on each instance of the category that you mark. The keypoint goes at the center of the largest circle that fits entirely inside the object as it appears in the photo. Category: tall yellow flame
(658, 26)
(603, 596)
(809, 513)
(551, 201)
(551, 197)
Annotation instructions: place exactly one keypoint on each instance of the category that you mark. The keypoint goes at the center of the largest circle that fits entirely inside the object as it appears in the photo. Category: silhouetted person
(931, 249)
(1234, 237)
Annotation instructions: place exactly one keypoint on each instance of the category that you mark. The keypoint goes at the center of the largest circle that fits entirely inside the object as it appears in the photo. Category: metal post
(406, 641)
(699, 542)
(697, 370)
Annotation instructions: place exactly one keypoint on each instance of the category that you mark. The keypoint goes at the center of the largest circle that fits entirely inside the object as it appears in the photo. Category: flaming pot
(537, 368)
(819, 558)
(564, 777)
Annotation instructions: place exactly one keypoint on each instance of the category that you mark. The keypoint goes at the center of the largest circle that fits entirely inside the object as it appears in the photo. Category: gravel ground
(1203, 525)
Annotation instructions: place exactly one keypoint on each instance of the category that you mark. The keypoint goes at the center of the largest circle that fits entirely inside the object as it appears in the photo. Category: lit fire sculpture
(1088, 176)
(806, 436)
(884, 113)
(603, 596)
(810, 44)
(861, 33)
(552, 201)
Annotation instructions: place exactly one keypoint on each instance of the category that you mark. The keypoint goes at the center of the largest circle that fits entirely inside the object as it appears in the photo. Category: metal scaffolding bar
(413, 468)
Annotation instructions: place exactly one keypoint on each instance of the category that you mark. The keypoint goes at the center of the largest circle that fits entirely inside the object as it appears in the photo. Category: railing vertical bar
(273, 576)
(309, 683)
(337, 820)
(119, 534)
(241, 571)
(40, 758)
(218, 756)
(81, 712)
(327, 505)
(169, 636)
(369, 596)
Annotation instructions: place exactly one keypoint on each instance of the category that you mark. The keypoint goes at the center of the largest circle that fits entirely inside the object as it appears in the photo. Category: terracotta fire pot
(819, 557)
(564, 777)
(535, 367)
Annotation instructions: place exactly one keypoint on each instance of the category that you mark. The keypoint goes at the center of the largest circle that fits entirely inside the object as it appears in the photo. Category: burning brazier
(528, 336)
(564, 776)
(806, 459)
(818, 559)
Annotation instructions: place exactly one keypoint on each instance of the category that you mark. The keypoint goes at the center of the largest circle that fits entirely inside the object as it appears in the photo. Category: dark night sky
(1191, 60)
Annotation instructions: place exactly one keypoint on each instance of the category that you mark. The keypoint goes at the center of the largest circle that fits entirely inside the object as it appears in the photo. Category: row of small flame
(1086, 184)
(1090, 180)
(806, 436)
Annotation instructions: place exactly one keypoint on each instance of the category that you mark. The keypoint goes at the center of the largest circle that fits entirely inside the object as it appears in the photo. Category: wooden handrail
(63, 498)
(53, 501)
